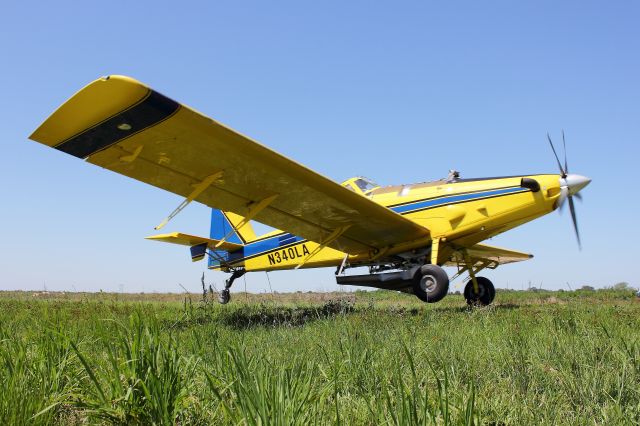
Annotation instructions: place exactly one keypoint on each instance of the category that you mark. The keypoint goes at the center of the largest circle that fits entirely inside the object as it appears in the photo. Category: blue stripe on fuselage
(262, 246)
(438, 202)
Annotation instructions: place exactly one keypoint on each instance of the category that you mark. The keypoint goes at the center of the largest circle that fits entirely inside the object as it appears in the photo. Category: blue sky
(400, 92)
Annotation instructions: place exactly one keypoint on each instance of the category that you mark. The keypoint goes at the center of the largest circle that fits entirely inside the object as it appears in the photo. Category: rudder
(226, 223)
(221, 227)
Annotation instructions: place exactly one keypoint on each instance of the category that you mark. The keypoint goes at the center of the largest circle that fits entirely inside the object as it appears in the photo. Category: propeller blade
(564, 145)
(572, 208)
(556, 154)
(578, 196)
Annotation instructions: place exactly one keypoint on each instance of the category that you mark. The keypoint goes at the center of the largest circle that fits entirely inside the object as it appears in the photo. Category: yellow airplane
(404, 234)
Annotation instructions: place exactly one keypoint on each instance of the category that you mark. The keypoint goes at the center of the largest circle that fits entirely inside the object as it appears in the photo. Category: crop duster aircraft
(404, 234)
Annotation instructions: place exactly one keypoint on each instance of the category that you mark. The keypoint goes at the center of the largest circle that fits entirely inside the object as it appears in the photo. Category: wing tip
(162, 236)
(101, 98)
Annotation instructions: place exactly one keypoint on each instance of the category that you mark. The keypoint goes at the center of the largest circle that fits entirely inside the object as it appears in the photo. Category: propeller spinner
(570, 185)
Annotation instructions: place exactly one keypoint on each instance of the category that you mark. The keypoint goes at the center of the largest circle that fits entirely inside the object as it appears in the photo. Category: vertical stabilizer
(222, 228)
(226, 224)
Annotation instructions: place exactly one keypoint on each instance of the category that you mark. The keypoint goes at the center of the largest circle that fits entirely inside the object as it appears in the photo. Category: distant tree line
(621, 286)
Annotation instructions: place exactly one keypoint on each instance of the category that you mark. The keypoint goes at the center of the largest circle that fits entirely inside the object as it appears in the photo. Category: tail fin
(225, 224)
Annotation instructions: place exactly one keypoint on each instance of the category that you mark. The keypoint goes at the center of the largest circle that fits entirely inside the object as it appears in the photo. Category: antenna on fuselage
(453, 176)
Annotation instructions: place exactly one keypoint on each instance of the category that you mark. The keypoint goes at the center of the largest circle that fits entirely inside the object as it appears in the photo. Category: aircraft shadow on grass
(461, 309)
(265, 315)
(285, 316)
(275, 316)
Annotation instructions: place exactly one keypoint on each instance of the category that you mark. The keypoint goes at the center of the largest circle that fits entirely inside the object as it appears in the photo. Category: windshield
(365, 184)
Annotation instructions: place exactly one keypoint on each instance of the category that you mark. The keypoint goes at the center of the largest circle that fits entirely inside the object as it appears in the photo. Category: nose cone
(575, 183)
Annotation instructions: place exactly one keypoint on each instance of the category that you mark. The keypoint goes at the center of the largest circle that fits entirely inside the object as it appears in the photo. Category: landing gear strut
(225, 295)
(484, 295)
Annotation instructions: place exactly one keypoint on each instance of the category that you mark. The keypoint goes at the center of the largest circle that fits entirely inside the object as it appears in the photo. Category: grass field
(348, 358)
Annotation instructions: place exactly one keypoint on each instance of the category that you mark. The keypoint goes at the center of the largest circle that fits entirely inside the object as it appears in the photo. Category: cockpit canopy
(360, 184)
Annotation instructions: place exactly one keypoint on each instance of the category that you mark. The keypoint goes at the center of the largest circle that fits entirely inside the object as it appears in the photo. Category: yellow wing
(120, 124)
(492, 256)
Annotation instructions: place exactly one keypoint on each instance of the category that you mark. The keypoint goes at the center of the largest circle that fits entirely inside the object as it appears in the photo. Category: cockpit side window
(365, 185)
(360, 184)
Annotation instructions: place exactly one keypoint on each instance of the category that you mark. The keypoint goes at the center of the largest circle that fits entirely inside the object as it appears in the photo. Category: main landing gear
(225, 294)
(428, 282)
(481, 293)
(431, 283)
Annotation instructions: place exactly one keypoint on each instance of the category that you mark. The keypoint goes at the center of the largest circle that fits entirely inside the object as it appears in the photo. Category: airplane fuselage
(460, 211)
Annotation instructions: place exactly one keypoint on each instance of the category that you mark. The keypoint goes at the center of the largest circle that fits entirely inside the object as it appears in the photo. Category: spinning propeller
(570, 185)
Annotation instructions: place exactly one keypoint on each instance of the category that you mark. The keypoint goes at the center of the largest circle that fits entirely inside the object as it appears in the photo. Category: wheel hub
(428, 283)
(481, 291)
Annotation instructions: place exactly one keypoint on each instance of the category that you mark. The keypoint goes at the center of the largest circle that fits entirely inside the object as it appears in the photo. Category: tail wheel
(431, 283)
(486, 292)
(225, 296)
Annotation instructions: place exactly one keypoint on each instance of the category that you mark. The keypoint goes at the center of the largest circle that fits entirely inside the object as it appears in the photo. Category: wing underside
(489, 255)
(121, 125)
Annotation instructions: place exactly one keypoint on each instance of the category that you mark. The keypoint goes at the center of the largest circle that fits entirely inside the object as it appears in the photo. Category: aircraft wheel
(224, 296)
(487, 292)
(431, 283)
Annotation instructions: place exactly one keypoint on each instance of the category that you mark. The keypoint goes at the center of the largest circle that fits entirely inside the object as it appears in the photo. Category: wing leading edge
(120, 124)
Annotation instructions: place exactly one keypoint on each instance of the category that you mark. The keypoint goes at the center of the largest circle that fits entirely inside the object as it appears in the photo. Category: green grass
(363, 358)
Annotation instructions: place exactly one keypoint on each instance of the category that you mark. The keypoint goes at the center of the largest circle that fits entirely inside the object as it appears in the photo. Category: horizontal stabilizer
(192, 240)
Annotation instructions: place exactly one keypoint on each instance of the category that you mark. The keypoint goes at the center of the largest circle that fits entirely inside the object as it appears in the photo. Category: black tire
(224, 297)
(486, 295)
(431, 283)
